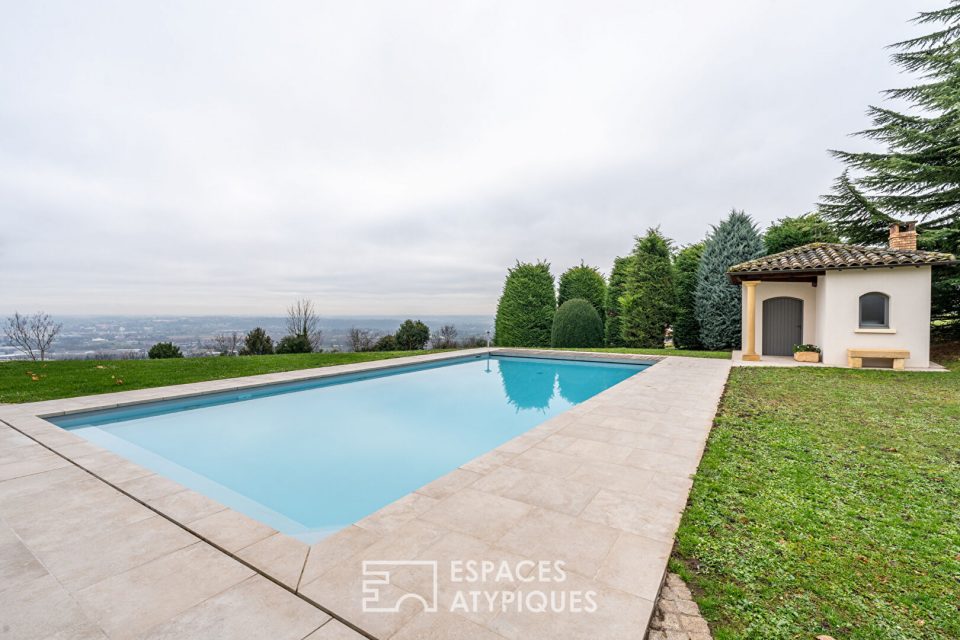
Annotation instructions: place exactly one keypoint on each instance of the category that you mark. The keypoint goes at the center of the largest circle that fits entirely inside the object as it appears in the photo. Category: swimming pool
(311, 457)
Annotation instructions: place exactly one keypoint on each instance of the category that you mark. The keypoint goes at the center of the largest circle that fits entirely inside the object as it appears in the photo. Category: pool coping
(429, 514)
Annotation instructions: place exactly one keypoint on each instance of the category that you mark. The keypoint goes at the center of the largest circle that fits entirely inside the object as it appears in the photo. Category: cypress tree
(618, 280)
(917, 176)
(583, 282)
(717, 301)
(686, 329)
(648, 300)
(526, 308)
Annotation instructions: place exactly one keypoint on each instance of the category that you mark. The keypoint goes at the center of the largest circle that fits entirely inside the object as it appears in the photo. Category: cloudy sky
(394, 157)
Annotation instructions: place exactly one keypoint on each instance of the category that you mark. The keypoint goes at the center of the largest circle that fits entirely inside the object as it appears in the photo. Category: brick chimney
(903, 236)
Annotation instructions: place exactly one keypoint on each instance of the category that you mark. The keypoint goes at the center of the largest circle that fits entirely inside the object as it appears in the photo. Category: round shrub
(577, 324)
(526, 307)
(386, 343)
(294, 344)
(257, 343)
(163, 350)
(412, 335)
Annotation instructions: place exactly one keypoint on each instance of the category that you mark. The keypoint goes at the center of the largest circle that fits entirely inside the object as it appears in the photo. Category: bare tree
(32, 335)
(228, 344)
(445, 338)
(362, 339)
(302, 320)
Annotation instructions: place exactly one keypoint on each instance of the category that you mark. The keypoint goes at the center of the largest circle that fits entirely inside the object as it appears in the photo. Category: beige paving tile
(500, 479)
(279, 556)
(186, 506)
(593, 450)
(480, 514)
(121, 472)
(50, 525)
(79, 450)
(547, 535)
(617, 615)
(37, 463)
(521, 443)
(81, 631)
(551, 463)
(254, 609)
(661, 462)
(83, 489)
(38, 608)
(613, 476)
(465, 565)
(78, 563)
(328, 553)
(442, 625)
(335, 630)
(405, 543)
(39, 482)
(97, 460)
(603, 434)
(555, 442)
(25, 453)
(12, 439)
(635, 514)
(340, 590)
(636, 565)
(231, 530)
(128, 604)
(397, 514)
(151, 487)
(540, 490)
(448, 484)
(17, 564)
(488, 462)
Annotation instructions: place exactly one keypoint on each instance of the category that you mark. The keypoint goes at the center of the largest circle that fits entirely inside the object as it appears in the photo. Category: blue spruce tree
(717, 301)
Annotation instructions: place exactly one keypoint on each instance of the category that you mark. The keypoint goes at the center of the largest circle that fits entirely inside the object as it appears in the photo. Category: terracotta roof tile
(822, 256)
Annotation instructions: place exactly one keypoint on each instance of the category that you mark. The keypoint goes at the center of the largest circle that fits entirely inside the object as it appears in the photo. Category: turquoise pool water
(309, 458)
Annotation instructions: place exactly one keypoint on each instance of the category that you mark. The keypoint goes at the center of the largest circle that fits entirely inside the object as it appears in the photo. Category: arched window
(875, 311)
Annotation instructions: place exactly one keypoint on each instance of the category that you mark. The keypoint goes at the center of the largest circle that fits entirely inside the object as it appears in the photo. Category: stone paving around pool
(562, 532)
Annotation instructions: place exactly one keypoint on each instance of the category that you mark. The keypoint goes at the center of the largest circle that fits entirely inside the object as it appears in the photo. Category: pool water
(312, 457)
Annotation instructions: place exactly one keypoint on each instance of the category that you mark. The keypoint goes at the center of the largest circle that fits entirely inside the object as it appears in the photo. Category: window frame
(886, 311)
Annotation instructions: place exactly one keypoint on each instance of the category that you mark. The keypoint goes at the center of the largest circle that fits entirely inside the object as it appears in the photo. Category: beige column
(750, 346)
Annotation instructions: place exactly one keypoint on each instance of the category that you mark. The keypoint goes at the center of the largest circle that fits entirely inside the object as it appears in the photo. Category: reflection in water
(527, 384)
(576, 387)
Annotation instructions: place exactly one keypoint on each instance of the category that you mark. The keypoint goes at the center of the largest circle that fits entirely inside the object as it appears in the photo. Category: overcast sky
(396, 157)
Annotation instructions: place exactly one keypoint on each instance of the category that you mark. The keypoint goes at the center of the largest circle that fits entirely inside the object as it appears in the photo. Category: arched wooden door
(782, 325)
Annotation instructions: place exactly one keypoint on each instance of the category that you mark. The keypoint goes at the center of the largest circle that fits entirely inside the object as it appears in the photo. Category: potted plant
(806, 353)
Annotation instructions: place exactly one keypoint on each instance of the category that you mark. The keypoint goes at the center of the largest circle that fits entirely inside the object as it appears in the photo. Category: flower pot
(806, 356)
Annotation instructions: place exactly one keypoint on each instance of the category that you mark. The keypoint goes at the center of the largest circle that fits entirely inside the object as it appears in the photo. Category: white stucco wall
(839, 312)
(766, 290)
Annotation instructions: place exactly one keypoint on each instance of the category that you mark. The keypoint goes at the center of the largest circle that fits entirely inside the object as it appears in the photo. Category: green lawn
(24, 381)
(828, 502)
(660, 352)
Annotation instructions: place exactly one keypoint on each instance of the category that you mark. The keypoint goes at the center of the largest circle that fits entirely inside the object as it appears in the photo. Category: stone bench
(898, 356)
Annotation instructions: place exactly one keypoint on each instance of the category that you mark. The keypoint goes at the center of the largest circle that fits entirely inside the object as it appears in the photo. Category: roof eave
(736, 277)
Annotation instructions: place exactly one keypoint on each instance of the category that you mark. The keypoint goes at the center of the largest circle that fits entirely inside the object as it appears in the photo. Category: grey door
(782, 325)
